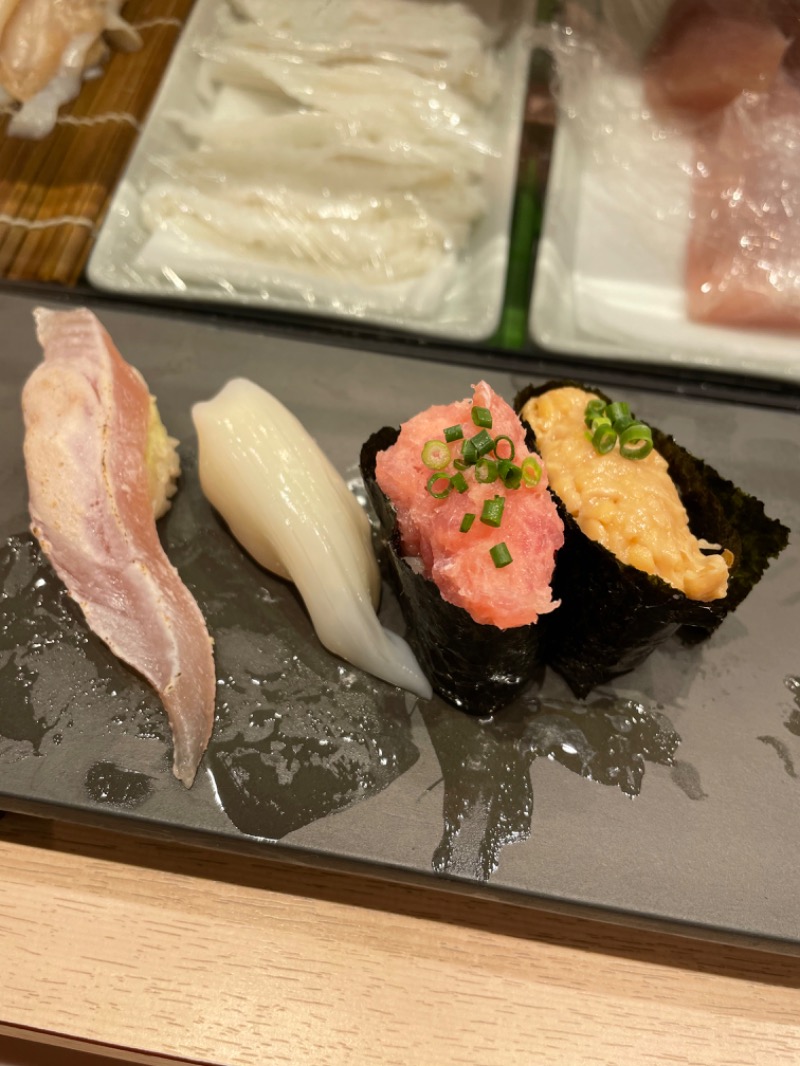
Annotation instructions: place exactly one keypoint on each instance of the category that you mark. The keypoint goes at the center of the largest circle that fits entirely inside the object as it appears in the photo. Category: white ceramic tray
(609, 272)
(472, 295)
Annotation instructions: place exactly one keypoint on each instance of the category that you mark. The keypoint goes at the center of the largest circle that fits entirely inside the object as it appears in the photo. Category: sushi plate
(670, 797)
(609, 266)
(462, 300)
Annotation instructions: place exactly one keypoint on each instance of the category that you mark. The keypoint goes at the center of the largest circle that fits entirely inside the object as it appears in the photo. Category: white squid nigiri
(291, 510)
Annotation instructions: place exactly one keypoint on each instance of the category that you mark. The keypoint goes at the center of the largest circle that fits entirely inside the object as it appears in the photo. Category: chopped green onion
(511, 448)
(485, 471)
(636, 441)
(510, 473)
(482, 416)
(500, 554)
(604, 436)
(593, 409)
(483, 443)
(610, 422)
(531, 471)
(615, 411)
(436, 455)
(459, 464)
(469, 453)
(492, 513)
(459, 482)
(466, 522)
(601, 420)
(439, 494)
(453, 433)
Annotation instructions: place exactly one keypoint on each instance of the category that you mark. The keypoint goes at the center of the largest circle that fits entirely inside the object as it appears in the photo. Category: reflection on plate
(609, 269)
(298, 734)
(461, 298)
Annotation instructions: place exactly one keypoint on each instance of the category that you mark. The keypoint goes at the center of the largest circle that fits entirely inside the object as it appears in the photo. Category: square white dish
(471, 294)
(610, 264)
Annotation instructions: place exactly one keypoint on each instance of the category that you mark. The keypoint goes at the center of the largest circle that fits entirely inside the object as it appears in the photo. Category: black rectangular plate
(671, 797)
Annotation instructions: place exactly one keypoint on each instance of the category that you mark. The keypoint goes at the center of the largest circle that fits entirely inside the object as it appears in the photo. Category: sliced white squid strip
(290, 509)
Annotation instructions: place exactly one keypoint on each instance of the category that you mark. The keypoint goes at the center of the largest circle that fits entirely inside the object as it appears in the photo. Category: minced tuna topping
(458, 560)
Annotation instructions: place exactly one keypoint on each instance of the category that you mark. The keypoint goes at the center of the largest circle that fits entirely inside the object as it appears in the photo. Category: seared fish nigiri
(47, 48)
(100, 471)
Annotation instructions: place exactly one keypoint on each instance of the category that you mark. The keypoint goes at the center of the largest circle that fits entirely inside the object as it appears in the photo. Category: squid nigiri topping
(291, 510)
(100, 469)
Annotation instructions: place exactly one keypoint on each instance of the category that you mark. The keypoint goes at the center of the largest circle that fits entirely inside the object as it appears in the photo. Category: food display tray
(609, 281)
(670, 797)
(472, 300)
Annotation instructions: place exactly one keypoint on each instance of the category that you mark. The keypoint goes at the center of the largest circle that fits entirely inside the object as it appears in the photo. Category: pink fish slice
(87, 426)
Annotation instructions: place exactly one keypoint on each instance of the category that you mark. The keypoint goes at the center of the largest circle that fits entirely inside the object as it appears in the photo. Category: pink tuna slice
(460, 563)
(742, 255)
(709, 51)
(86, 420)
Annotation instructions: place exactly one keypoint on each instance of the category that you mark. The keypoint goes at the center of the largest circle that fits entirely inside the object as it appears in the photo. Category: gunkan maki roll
(656, 541)
(471, 534)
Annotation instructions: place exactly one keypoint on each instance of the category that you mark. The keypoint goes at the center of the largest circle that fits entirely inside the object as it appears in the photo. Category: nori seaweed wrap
(478, 668)
(612, 615)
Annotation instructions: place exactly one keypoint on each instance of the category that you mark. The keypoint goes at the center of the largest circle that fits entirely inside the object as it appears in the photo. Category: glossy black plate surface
(672, 796)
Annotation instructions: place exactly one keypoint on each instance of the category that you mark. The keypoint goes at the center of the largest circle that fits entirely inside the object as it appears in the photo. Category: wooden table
(142, 951)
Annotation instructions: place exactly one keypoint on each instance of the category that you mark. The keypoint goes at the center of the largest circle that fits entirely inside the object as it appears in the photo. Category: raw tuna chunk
(744, 248)
(710, 51)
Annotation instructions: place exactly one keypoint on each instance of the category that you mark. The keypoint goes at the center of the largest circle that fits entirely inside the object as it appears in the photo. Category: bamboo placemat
(53, 192)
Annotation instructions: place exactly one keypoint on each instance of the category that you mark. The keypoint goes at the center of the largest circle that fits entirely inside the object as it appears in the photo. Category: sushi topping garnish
(500, 554)
(481, 454)
(608, 423)
(439, 486)
(474, 448)
(635, 441)
(436, 454)
(482, 416)
(485, 471)
(511, 449)
(476, 455)
(510, 473)
(492, 513)
(594, 409)
(616, 411)
(603, 435)
(531, 471)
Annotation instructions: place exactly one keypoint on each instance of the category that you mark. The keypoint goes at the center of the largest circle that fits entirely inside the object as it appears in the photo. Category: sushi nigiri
(101, 468)
(46, 49)
(656, 540)
(471, 550)
(291, 510)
